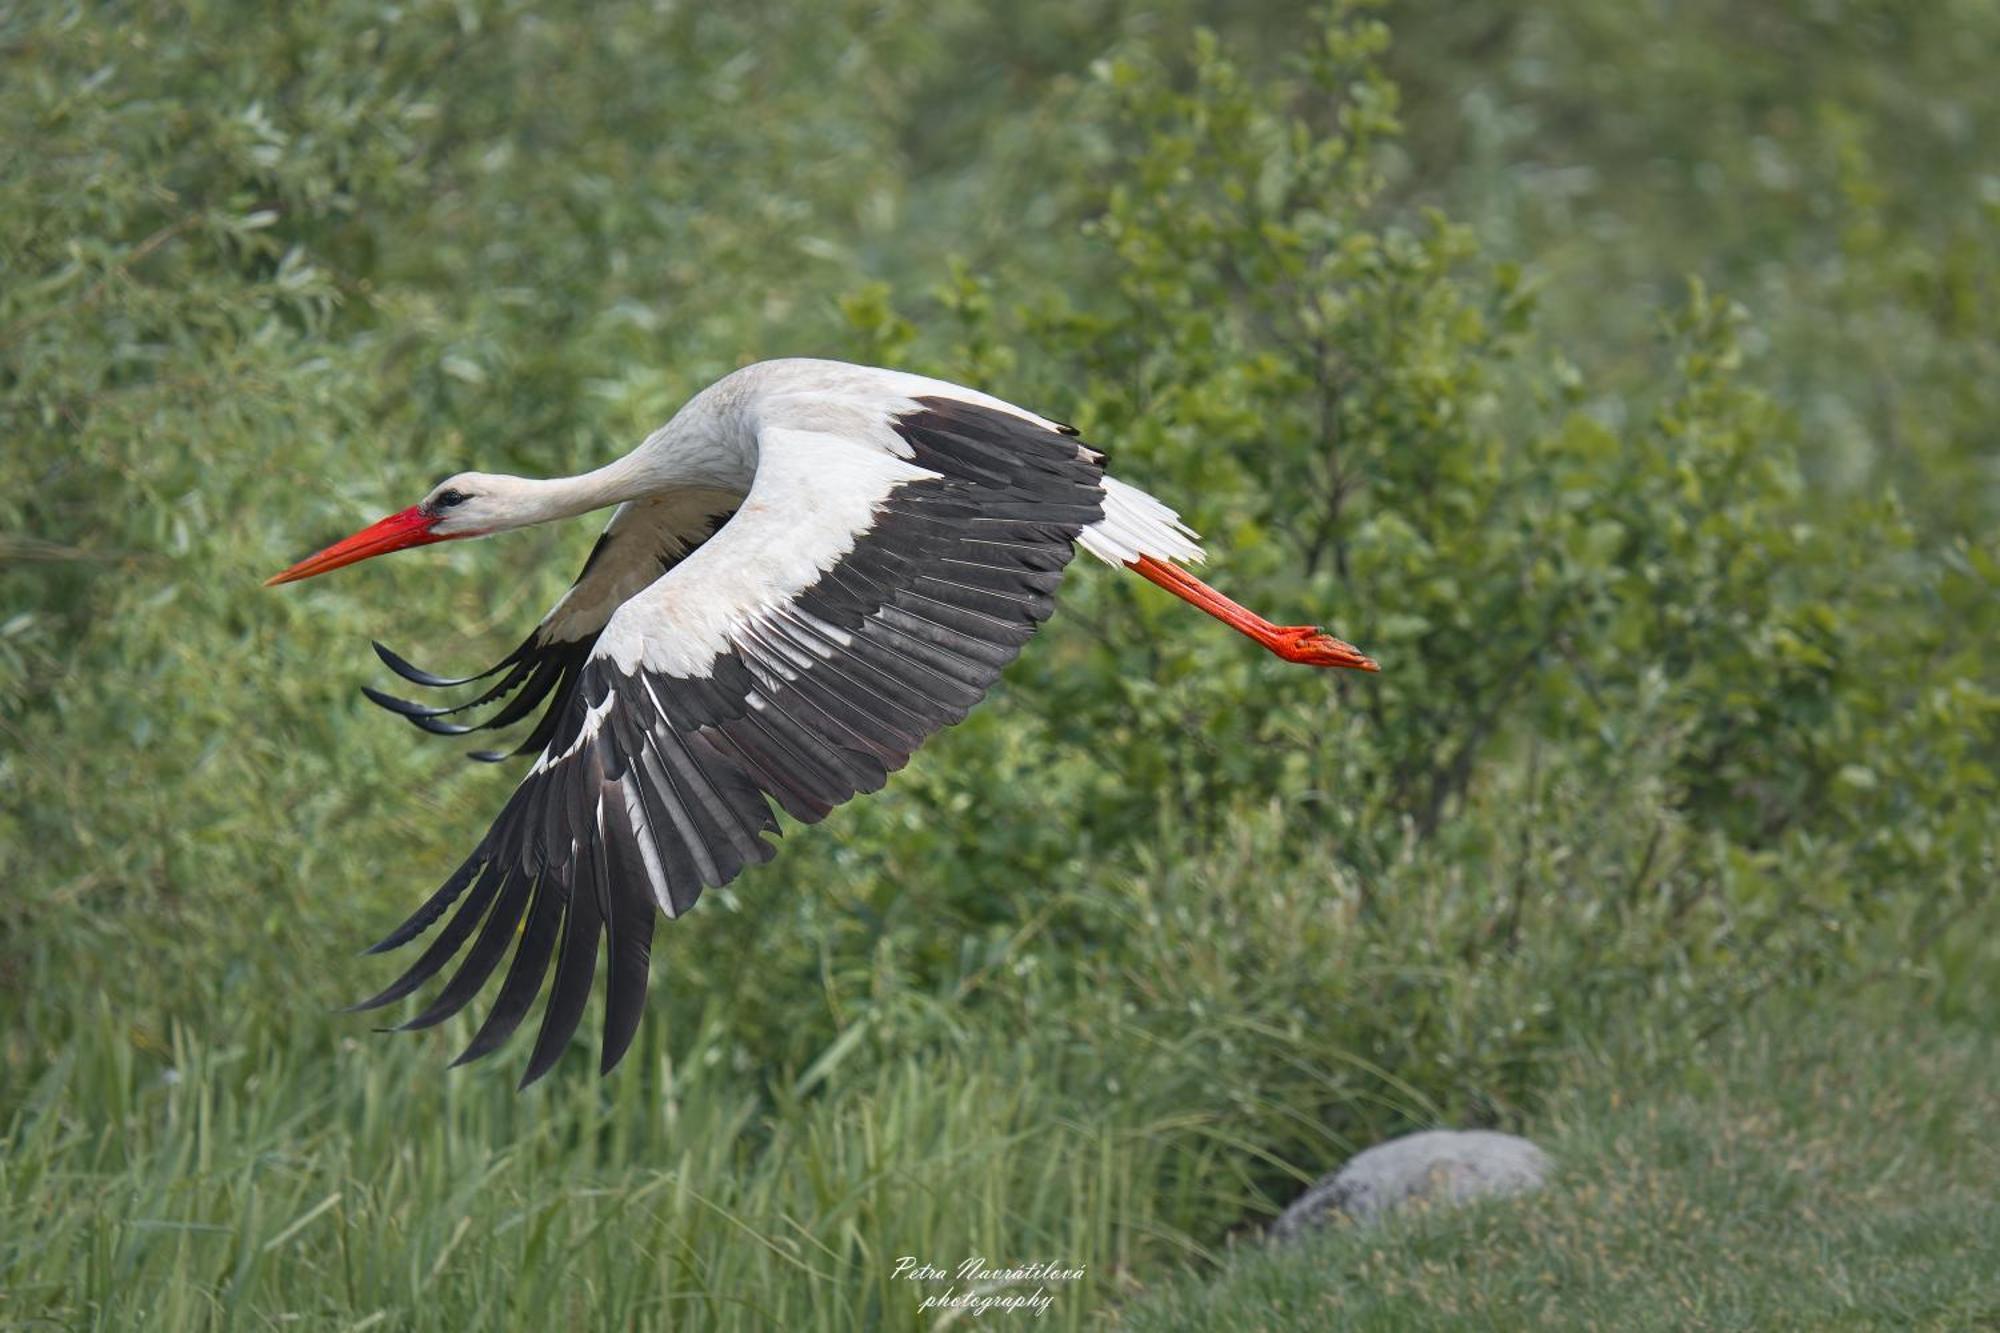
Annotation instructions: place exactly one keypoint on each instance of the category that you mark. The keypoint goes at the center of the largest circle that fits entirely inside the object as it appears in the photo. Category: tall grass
(1155, 1059)
(255, 1187)
(1807, 1170)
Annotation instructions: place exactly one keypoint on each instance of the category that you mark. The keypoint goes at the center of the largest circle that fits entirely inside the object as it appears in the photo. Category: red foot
(1309, 645)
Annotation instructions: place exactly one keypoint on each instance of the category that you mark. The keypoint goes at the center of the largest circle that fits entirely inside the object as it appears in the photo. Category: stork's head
(470, 504)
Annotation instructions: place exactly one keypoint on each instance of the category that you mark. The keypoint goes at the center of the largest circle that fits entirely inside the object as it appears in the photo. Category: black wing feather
(484, 956)
(441, 949)
(821, 699)
(524, 974)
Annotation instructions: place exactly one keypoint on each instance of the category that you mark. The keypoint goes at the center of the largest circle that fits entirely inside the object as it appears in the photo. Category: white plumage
(812, 567)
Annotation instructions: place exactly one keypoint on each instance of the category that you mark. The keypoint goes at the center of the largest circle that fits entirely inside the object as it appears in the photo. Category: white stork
(811, 568)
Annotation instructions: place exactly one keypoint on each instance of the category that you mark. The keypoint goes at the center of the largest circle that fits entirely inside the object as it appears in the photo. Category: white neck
(541, 500)
(709, 444)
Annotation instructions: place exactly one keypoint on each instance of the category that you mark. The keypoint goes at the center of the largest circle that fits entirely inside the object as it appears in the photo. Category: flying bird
(811, 568)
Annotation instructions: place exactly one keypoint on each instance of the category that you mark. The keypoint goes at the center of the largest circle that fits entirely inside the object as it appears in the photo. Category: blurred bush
(1365, 420)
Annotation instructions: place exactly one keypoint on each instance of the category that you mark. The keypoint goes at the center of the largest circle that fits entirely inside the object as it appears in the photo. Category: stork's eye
(447, 499)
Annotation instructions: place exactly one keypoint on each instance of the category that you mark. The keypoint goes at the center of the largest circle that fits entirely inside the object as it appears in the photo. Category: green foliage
(1832, 163)
(1675, 712)
(1363, 422)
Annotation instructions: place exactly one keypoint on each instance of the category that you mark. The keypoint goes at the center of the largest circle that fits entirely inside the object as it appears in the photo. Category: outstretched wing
(871, 588)
(643, 540)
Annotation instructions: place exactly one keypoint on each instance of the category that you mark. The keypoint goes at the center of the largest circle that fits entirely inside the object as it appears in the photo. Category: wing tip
(416, 675)
(548, 1053)
(401, 707)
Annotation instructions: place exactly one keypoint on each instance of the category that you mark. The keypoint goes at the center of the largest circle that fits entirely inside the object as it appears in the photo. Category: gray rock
(1448, 1165)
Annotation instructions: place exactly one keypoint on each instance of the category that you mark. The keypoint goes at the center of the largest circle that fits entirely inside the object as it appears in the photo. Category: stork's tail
(1136, 524)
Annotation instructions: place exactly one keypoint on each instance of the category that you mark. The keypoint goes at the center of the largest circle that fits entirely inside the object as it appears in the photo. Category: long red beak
(412, 527)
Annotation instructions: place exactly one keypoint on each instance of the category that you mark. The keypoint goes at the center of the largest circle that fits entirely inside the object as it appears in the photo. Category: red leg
(1294, 643)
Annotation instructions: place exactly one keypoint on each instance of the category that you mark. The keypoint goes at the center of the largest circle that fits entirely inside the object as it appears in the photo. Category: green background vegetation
(1624, 377)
